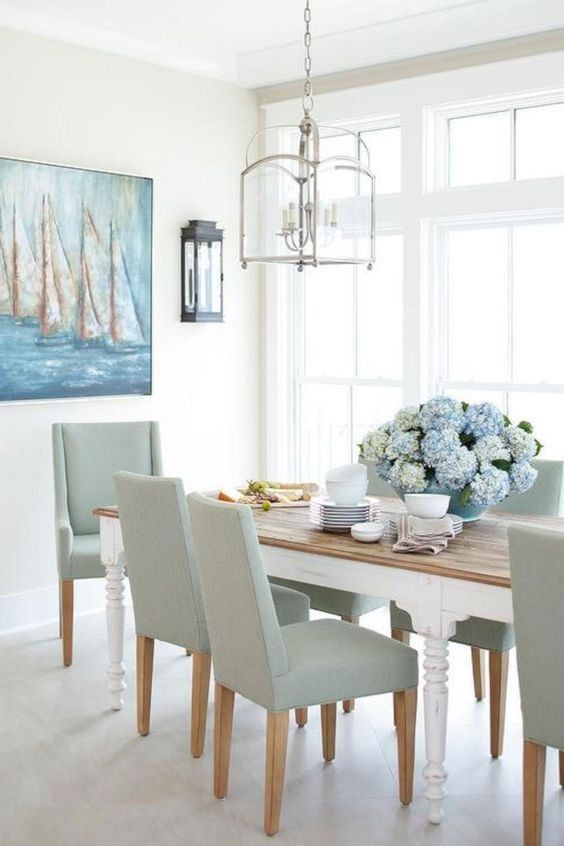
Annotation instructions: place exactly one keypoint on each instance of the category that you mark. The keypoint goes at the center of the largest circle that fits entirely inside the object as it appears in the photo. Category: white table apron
(435, 604)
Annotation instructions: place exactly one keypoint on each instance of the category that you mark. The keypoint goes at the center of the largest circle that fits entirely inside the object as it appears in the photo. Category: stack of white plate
(327, 515)
(457, 523)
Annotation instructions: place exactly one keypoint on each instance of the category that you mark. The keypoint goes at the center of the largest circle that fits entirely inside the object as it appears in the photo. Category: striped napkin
(418, 535)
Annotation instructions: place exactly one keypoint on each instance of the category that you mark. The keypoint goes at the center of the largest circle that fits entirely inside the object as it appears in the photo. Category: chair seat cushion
(475, 631)
(342, 603)
(291, 605)
(330, 660)
(85, 557)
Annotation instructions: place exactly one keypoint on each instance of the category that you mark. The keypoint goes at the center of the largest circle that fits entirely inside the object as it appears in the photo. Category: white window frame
(437, 121)
(438, 234)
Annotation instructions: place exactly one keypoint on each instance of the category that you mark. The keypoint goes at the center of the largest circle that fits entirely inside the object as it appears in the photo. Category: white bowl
(347, 473)
(348, 492)
(367, 532)
(428, 506)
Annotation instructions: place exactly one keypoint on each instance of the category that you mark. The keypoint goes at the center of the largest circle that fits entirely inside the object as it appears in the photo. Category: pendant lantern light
(307, 191)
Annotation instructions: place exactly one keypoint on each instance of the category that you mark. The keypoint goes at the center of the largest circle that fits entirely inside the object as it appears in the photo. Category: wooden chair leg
(534, 760)
(145, 654)
(561, 767)
(67, 609)
(499, 665)
(479, 672)
(223, 727)
(405, 702)
(276, 743)
(403, 637)
(348, 704)
(201, 669)
(328, 730)
(301, 717)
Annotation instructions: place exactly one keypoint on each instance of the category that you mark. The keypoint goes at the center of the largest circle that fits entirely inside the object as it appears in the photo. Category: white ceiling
(259, 42)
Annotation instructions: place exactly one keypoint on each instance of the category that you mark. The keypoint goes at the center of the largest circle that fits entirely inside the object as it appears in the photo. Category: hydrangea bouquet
(472, 452)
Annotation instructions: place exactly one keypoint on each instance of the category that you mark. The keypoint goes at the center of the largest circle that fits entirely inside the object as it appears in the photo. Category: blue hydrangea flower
(522, 477)
(458, 470)
(407, 418)
(439, 444)
(403, 444)
(489, 487)
(490, 448)
(521, 444)
(441, 411)
(408, 476)
(483, 419)
(374, 444)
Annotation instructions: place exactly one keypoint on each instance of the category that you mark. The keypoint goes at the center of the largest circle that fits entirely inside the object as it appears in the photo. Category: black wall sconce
(202, 272)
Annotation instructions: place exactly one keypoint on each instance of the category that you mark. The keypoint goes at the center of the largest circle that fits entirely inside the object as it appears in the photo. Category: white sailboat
(58, 293)
(93, 323)
(126, 333)
(25, 275)
(5, 287)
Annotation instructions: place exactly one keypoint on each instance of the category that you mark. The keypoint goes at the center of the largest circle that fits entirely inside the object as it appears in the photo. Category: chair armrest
(64, 542)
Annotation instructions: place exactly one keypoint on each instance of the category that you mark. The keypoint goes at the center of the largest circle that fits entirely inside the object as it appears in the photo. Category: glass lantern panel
(345, 211)
(276, 224)
(189, 276)
(209, 276)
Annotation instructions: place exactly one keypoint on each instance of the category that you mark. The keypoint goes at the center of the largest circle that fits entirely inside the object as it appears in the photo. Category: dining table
(470, 578)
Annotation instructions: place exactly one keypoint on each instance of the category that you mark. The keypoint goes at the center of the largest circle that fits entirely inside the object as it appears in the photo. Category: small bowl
(367, 532)
(347, 492)
(428, 506)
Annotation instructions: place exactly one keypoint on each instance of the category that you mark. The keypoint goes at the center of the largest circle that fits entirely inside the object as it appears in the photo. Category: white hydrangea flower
(521, 444)
(491, 448)
(408, 476)
(407, 418)
(374, 444)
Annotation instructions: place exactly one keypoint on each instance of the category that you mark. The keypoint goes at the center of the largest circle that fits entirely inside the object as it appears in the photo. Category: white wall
(76, 106)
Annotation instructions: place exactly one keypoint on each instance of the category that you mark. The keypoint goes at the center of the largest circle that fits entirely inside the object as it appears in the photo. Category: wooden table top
(479, 554)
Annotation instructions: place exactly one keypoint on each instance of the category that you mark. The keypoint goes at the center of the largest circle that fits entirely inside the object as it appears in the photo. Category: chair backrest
(86, 456)
(545, 497)
(248, 650)
(161, 560)
(537, 580)
(376, 485)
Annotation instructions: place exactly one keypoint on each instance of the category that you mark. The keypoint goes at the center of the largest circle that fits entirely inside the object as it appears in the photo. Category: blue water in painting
(28, 371)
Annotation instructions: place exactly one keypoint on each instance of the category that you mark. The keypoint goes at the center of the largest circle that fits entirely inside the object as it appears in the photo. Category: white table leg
(435, 698)
(115, 615)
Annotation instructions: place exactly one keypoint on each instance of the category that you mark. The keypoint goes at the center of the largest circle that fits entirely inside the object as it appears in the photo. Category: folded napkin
(418, 535)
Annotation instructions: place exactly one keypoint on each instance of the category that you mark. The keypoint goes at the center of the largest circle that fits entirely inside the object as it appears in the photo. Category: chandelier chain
(307, 99)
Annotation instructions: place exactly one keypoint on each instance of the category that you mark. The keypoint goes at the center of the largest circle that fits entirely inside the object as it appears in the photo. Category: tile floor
(73, 773)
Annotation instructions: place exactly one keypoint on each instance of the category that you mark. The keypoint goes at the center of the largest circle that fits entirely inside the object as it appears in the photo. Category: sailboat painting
(75, 282)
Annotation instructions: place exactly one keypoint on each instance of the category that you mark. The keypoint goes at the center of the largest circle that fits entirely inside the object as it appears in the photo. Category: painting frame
(141, 347)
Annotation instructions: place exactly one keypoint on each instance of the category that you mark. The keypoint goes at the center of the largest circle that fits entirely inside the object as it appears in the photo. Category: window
(467, 293)
(520, 142)
(502, 301)
(349, 373)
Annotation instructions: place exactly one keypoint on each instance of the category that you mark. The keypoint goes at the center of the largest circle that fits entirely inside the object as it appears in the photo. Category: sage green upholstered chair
(85, 457)
(313, 663)
(537, 581)
(544, 498)
(167, 600)
(349, 606)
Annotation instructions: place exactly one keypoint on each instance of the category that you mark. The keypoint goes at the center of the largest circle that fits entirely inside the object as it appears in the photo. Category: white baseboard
(37, 607)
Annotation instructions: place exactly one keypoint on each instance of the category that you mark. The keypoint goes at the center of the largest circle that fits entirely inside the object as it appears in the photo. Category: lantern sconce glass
(201, 272)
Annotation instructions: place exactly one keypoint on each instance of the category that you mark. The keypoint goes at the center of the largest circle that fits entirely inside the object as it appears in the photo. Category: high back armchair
(85, 457)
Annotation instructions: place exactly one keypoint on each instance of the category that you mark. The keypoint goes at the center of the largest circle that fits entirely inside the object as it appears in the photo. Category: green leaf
(466, 439)
(539, 447)
(526, 426)
(465, 406)
(502, 464)
(506, 420)
(465, 495)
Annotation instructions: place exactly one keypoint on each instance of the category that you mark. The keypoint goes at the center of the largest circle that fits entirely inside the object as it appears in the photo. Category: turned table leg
(435, 698)
(115, 614)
